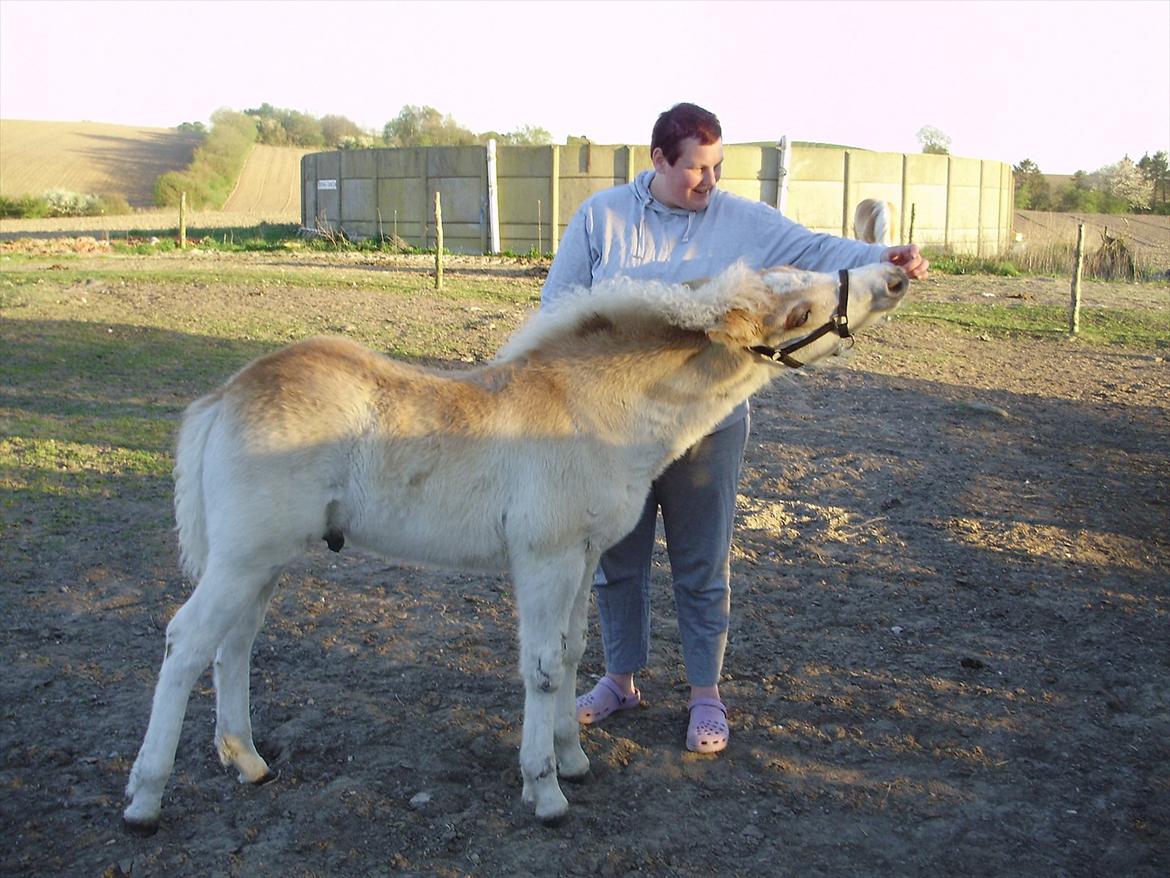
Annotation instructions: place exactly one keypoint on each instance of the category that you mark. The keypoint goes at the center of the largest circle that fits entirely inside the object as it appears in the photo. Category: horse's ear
(738, 328)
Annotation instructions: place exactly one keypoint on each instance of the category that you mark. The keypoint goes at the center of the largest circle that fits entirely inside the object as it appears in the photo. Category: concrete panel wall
(816, 189)
(959, 203)
(925, 202)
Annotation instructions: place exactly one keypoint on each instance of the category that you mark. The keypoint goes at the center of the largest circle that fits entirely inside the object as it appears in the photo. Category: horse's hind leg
(233, 722)
(572, 763)
(226, 593)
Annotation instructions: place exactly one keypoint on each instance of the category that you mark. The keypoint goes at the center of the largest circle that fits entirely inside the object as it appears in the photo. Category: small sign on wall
(326, 184)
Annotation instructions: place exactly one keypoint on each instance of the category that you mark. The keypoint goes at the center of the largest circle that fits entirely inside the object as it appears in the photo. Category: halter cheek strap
(838, 323)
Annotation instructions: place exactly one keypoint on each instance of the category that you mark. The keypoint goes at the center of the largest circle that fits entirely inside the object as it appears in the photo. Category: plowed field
(89, 157)
(1147, 234)
(270, 184)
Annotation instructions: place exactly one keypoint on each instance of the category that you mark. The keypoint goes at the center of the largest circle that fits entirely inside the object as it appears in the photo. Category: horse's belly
(458, 541)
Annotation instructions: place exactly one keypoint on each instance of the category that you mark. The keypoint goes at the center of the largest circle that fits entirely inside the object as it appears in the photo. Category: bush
(61, 202)
(209, 179)
(25, 207)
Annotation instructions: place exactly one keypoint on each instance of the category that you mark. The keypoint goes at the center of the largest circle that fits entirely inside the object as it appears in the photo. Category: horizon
(1044, 102)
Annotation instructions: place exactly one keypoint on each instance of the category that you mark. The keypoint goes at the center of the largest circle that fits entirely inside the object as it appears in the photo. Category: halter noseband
(838, 323)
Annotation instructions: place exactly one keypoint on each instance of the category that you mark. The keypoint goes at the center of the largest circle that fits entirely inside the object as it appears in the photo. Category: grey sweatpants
(696, 494)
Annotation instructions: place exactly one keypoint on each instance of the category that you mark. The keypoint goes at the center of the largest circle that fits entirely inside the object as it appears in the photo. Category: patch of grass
(1105, 326)
(954, 263)
(263, 238)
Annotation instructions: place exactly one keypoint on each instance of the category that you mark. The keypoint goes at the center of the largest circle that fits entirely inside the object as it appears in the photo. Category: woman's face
(689, 182)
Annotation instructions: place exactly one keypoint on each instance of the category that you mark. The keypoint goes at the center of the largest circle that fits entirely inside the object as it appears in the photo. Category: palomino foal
(876, 222)
(531, 464)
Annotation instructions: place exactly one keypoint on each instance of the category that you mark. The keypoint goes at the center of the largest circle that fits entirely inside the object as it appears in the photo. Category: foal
(533, 464)
(876, 222)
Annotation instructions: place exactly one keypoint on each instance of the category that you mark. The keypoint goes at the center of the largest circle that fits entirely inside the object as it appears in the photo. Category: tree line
(1125, 186)
(413, 126)
(1122, 187)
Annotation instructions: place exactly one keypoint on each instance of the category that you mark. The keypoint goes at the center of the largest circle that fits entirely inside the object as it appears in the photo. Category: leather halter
(838, 323)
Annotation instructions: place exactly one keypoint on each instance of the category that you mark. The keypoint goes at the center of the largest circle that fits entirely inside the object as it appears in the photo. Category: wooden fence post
(438, 242)
(182, 220)
(1074, 309)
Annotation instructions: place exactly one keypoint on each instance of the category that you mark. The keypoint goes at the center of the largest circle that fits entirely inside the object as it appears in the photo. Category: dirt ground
(950, 655)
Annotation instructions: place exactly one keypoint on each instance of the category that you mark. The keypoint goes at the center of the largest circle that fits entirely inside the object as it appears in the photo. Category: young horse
(532, 464)
(875, 221)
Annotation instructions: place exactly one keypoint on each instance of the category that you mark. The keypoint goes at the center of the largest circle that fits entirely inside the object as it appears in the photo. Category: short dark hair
(680, 122)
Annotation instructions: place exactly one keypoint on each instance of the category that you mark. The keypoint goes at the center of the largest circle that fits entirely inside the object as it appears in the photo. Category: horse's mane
(697, 306)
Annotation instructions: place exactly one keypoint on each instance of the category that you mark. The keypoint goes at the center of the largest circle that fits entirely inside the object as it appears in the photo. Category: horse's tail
(190, 512)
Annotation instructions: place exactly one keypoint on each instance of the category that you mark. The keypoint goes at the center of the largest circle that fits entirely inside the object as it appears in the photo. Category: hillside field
(95, 158)
(89, 157)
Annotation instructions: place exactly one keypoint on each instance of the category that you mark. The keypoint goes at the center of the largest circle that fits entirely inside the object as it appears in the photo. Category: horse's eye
(807, 315)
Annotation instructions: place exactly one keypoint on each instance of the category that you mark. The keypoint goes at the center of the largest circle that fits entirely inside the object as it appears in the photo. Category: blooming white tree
(1125, 180)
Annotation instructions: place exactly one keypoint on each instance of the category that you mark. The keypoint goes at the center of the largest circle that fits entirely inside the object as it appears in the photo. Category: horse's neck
(668, 397)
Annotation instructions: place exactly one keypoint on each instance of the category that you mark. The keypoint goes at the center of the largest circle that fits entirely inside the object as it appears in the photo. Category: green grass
(1104, 326)
(951, 263)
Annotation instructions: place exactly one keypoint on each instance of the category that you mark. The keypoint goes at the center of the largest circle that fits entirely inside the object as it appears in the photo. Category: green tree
(1088, 193)
(335, 129)
(934, 141)
(303, 129)
(1156, 171)
(1032, 190)
(278, 127)
(525, 135)
(425, 126)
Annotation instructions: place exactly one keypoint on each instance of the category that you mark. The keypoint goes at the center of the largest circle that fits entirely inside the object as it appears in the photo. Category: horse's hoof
(576, 778)
(140, 828)
(266, 778)
(554, 821)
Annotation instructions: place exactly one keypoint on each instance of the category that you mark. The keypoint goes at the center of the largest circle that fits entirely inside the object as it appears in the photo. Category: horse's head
(795, 317)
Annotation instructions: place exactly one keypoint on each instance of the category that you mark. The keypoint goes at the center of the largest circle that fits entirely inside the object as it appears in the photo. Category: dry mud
(950, 655)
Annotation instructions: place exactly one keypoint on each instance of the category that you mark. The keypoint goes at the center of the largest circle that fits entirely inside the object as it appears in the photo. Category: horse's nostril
(897, 287)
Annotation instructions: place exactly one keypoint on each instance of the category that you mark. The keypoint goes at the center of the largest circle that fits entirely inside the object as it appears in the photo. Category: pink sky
(1071, 85)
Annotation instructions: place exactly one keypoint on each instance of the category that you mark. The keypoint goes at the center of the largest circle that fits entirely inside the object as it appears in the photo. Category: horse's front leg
(546, 590)
(572, 763)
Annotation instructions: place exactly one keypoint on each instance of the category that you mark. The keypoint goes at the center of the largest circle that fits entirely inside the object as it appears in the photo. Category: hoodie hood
(646, 201)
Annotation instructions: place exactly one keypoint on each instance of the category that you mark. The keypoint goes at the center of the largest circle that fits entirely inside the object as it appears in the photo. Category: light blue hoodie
(626, 231)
